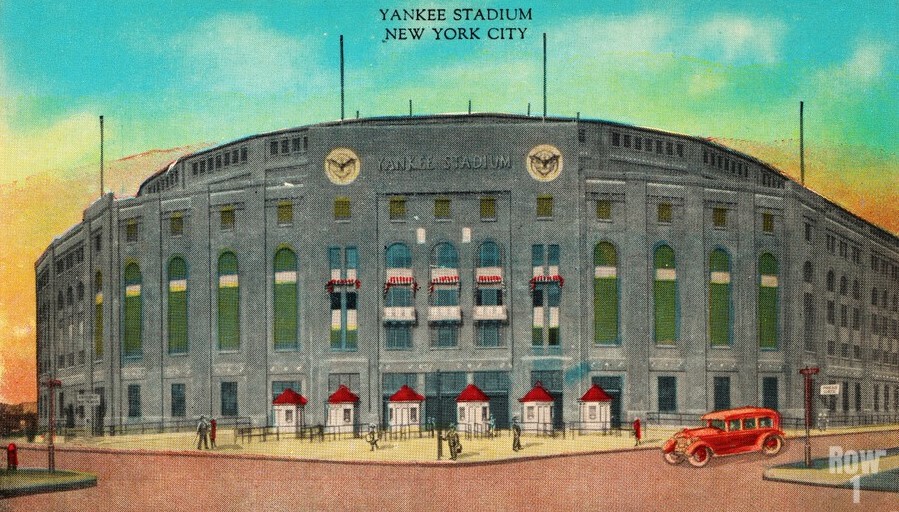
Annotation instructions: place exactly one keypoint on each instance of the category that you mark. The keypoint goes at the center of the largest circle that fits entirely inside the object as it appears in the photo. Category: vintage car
(727, 432)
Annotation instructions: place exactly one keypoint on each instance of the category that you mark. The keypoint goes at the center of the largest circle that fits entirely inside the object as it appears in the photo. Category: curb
(87, 480)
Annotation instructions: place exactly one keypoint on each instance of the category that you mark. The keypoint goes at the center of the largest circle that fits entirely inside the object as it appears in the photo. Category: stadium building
(437, 251)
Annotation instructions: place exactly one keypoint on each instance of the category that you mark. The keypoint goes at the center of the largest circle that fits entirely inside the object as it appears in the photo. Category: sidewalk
(409, 449)
(26, 481)
(880, 476)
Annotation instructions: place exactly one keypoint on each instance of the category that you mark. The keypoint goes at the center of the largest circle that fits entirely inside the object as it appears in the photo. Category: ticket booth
(342, 405)
(595, 409)
(472, 410)
(404, 410)
(288, 408)
(537, 409)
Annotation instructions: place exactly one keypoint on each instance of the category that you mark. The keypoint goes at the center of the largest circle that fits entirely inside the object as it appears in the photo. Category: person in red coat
(212, 427)
(12, 457)
(638, 432)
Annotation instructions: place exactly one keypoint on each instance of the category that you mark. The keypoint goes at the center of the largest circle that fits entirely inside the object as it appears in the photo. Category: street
(634, 480)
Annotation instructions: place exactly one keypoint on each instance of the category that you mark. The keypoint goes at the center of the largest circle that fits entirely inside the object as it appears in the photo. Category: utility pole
(52, 384)
(807, 373)
(439, 416)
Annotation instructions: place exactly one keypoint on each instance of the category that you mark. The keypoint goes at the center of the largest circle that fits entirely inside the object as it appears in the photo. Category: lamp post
(51, 449)
(807, 373)
(439, 416)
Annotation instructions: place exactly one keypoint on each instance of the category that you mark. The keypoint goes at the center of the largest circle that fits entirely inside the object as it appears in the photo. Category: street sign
(89, 399)
(830, 389)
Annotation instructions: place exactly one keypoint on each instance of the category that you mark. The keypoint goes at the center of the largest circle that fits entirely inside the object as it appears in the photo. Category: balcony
(444, 314)
(400, 314)
(490, 313)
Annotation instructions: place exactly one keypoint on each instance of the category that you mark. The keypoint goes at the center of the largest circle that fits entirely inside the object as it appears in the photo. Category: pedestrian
(452, 439)
(491, 426)
(12, 457)
(202, 433)
(212, 429)
(372, 437)
(516, 435)
(638, 432)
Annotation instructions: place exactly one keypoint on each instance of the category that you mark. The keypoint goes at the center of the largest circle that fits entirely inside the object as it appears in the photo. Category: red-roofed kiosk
(536, 408)
(342, 410)
(473, 408)
(596, 409)
(288, 407)
(404, 409)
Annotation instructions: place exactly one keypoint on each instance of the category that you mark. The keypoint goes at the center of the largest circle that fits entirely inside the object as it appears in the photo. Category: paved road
(637, 480)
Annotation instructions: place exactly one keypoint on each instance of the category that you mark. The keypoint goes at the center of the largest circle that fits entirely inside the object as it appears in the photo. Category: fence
(821, 422)
(148, 427)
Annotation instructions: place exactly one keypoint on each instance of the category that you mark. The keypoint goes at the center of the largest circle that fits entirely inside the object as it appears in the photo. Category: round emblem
(342, 166)
(544, 162)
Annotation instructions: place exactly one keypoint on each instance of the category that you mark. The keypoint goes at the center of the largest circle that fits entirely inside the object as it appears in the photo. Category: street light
(807, 373)
(439, 416)
(51, 449)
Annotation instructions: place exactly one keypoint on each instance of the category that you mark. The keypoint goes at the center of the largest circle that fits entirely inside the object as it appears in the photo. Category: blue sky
(168, 73)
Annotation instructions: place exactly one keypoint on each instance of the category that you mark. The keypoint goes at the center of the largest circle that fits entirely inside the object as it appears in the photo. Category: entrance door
(722, 393)
(769, 392)
(612, 385)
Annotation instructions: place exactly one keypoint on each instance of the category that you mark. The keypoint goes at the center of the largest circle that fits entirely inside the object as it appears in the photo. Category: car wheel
(674, 458)
(772, 445)
(700, 457)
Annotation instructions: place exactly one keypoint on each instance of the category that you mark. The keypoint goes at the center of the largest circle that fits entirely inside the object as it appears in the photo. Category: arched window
(228, 303)
(719, 298)
(873, 296)
(398, 256)
(177, 302)
(133, 336)
(286, 300)
(856, 290)
(830, 280)
(605, 293)
(70, 297)
(844, 285)
(98, 315)
(80, 291)
(665, 296)
(60, 300)
(488, 255)
(768, 301)
(446, 256)
(808, 272)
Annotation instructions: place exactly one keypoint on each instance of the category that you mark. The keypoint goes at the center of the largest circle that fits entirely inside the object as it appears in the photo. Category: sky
(174, 74)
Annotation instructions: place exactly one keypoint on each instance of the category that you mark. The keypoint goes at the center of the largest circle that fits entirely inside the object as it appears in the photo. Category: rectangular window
(134, 401)
(856, 318)
(831, 347)
(218, 161)
(659, 147)
(721, 387)
(664, 213)
(604, 209)
(243, 154)
(195, 168)
(544, 207)
(285, 213)
(278, 387)
(98, 243)
(397, 208)
(616, 139)
(341, 208)
(229, 399)
(176, 224)
(488, 208)
(553, 255)
(442, 208)
(627, 140)
(179, 401)
(844, 316)
(445, 335)
(638, 143)
(808, 232)
(667, 387)
(831, 313)
(488, 334)
(719, 217)
(285, 146)
(226, 218)
(273, 147)
(295, 145)
(537, 255)
(768, 223)
(399, 336)
(227, 155)
(680, 149)
(669, 148)
(131, 231)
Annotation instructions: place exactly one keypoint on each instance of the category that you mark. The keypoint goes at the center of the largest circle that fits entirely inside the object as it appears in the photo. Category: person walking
(638, 432)
(212, 430)
(516, 435)
(203, 433)
(372, 437)
(452, 439)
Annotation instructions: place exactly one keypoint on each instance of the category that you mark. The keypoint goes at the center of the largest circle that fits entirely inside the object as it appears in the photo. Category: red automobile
(727, 432)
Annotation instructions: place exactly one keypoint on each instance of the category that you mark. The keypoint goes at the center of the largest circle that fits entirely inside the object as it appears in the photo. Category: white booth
(404, 410)
(472, 410)
(288, 408)
(342, 410)
(596, 409)
(536, 409)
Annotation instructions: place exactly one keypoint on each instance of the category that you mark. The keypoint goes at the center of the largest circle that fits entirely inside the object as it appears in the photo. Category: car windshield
(719, 424)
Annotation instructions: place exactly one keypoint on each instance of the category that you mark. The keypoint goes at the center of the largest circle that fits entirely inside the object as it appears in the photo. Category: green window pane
(719, 261)
(177, 306)
(767, 317)
(133, 320)
(285, 300)
(768, 265)
(605, 310)
(665, 312)
(719, 314)
(664, 257)
(604, 254)
(537, 336)
(228, 303)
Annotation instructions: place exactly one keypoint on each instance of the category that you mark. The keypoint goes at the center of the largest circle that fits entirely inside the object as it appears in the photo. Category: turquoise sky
(167, 73)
